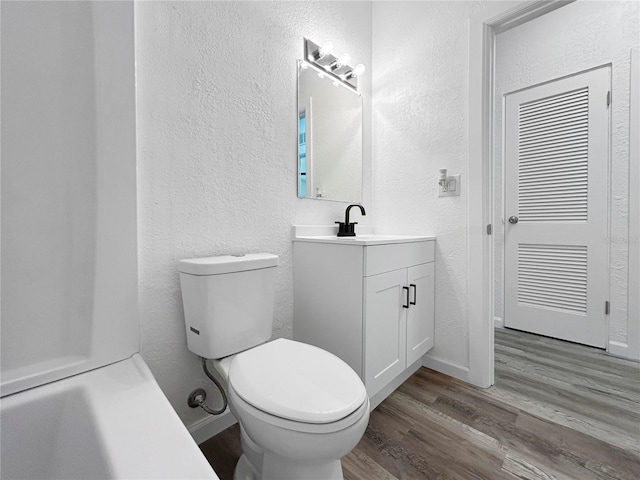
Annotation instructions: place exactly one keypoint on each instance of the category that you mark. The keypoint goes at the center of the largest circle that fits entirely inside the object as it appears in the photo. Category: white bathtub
(110, 423)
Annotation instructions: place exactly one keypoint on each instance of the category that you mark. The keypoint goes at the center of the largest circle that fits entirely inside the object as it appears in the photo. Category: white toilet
(300, 408)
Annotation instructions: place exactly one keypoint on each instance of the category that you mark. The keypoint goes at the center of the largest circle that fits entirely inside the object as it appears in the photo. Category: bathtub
(110, 423)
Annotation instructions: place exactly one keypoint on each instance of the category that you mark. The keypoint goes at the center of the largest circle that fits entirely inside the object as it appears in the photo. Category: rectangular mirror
(329, 137)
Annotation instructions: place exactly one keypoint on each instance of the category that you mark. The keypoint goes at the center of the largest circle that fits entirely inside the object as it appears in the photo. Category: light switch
(451, 188)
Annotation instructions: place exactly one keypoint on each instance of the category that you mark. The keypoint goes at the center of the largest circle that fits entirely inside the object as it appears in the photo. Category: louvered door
(556, 177)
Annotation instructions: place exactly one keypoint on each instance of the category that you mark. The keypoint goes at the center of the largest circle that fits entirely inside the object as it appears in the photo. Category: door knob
(513, 219)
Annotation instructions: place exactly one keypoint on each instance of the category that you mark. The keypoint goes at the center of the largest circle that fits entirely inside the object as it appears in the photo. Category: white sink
(371, 236)
(328, 234)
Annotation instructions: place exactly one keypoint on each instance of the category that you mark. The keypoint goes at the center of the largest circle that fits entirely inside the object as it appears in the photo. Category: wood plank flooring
(557, 411)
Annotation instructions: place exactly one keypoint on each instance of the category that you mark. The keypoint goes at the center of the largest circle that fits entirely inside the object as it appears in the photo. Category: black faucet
(347, 229)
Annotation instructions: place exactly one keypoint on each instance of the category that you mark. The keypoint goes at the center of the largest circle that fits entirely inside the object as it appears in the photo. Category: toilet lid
(296, 381)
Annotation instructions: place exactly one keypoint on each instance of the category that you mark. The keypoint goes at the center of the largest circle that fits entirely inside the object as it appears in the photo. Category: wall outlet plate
(453, 189)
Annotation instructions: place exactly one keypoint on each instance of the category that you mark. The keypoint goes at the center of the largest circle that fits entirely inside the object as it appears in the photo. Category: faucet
(346, 228)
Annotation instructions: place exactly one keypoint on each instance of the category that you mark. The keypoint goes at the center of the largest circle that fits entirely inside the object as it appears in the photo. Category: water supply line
(197, 397)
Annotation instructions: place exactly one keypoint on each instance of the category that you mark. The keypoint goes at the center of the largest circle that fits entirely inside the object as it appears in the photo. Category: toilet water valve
(197, 398)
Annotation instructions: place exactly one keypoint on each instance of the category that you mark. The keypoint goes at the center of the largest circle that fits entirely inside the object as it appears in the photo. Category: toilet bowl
(300, 408)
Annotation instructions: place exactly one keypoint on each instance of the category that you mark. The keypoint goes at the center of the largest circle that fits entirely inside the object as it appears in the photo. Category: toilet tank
(228, 302)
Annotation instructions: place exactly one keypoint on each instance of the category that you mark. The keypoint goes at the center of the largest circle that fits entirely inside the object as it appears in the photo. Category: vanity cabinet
(371, 305)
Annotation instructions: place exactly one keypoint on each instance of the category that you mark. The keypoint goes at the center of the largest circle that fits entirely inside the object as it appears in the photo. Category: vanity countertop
(364, 236)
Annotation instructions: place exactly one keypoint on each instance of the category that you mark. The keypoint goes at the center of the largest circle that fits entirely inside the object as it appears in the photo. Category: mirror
(329, 138)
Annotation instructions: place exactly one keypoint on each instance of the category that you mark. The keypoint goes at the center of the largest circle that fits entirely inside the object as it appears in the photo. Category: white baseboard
(620, 349)
(208, 427)
(448, 368)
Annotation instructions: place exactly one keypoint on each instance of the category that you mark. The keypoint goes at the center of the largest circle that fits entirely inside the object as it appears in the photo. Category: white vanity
(368, 299)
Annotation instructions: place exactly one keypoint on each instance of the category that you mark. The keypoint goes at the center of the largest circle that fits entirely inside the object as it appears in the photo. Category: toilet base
(256, 464)
(250, 463)
(276, 469)
(244, 470)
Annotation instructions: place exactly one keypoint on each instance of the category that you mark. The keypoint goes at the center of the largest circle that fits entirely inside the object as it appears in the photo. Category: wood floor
(557, 411)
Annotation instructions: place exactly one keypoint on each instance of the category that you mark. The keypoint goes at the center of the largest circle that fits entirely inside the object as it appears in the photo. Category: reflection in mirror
(329, 138)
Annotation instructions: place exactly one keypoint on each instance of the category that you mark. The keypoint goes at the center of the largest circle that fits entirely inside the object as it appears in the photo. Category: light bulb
(359, 70)
(355, 72)
(339, 62)
(344, 59)
(304, 65)
(335, 83)
(325, 49)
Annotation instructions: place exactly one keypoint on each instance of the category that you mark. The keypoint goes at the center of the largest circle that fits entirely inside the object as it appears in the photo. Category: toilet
(300, 408)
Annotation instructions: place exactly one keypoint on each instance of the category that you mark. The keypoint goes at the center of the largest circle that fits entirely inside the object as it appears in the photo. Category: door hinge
(489, 229)
(607, 307)
(608, 98)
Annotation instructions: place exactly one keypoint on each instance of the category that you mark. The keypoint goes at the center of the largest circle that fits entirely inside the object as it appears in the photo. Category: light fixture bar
(326, 63)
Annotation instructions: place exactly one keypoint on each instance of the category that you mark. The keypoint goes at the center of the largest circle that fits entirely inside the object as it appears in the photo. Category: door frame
(483, 29)
(633, 349)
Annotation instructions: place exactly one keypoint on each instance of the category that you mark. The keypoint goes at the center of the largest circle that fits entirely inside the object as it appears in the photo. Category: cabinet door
(420, 316)
(385, 328)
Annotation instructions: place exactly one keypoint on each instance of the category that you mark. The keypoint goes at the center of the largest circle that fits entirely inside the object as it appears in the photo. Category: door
(385, 328)
(556, 182)
(420, 315)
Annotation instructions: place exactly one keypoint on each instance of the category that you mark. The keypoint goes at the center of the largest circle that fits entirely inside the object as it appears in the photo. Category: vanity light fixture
(337, 80)
(336, 67)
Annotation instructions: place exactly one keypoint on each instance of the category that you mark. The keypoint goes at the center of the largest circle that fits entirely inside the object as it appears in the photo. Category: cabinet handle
(415, 290)
(406, 289)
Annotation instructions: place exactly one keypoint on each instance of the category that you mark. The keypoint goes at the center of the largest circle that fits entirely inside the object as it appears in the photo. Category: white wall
(420, 55)
(574, 38)
(217, 142)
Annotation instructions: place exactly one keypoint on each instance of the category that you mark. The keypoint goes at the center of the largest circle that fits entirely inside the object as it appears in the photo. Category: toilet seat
(296, 382)
(242, 409)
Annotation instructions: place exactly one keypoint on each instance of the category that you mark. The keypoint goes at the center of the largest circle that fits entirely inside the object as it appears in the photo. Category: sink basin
(374, 236)
(328, 234)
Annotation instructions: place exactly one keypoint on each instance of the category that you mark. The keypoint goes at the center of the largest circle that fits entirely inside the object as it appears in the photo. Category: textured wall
(217, 128)
(574, 38)
(420, 55)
